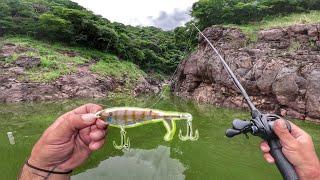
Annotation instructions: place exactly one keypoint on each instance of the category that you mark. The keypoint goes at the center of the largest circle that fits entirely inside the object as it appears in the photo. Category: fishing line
(235, 80)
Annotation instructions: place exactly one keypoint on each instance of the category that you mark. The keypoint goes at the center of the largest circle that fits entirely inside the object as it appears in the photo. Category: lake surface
(213, 156)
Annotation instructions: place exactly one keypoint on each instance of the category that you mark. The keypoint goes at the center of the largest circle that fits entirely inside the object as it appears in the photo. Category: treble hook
(189, 135)
(125, 142)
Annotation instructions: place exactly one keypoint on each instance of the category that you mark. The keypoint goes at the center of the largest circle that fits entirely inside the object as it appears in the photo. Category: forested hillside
(62, 20)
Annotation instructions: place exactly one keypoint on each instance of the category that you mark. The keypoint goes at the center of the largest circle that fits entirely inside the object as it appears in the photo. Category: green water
(213, 156)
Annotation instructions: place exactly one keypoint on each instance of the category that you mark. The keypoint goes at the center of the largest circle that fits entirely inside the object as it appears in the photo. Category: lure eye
(109, 119)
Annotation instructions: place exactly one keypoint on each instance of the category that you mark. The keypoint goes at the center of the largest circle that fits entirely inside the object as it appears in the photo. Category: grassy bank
(57, 59)
(251, 30)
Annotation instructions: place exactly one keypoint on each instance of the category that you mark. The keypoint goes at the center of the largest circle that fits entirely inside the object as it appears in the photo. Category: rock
(233, 36)
(299, 29)
(318, 44)
(294, 114)
(27, 62)
(9, 49)
(313, 31)
(266, 77)
(144, 87)
(277, 80)
(77, 85)
(271, 34)
(17, 70)
(313, 94)
(70, 53)
(284, 86)
(283, 112)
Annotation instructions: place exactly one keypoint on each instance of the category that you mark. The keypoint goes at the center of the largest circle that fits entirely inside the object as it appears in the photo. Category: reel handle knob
(240, 124)
(232, 132)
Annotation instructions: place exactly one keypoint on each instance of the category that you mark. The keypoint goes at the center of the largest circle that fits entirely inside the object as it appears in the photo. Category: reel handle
(232, 132)
(285, 167)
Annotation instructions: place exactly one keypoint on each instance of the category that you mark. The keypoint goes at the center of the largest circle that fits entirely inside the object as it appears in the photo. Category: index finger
(87, 108)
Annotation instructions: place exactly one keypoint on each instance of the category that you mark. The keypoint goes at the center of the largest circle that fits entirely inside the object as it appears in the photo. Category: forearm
(28, 173)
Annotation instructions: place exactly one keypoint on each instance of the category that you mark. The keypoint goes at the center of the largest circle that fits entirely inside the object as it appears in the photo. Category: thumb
(68, 124)
(79, 121)
(281, 130)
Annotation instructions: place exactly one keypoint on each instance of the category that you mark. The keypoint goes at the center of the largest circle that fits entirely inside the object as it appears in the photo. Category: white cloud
(139, 12)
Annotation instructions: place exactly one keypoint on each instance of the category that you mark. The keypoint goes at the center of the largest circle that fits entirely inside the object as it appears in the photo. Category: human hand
(297, 147)
(68, 142)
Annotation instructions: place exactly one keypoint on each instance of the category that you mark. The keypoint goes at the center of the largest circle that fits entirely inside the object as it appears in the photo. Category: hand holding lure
(260, 124)
(129, 117)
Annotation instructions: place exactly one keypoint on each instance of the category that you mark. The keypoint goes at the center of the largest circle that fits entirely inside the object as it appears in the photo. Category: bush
(210, 12)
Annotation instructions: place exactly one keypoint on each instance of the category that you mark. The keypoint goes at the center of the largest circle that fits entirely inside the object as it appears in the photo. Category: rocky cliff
(281, 71)
(81, 83)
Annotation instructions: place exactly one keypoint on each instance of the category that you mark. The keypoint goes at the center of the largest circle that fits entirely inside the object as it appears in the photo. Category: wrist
(39, 164)
(46, 162)
(311, 172)
(28, 173)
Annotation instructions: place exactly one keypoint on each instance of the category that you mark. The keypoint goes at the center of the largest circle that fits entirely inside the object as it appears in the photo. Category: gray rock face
(281, 71)
(78, 85)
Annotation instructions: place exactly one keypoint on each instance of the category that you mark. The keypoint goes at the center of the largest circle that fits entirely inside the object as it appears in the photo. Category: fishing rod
(260, 124)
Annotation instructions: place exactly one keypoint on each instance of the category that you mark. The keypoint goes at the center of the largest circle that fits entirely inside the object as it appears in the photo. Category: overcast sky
(166, 14)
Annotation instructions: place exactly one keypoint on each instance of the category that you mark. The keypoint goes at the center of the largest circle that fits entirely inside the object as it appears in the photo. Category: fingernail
(264, 148)
(282, 124)
(89, 117)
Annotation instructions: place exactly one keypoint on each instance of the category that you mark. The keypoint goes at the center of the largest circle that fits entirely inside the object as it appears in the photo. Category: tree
(53, 27)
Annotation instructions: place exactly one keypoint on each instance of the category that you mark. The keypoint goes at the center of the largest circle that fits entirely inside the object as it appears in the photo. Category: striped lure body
(128, 117)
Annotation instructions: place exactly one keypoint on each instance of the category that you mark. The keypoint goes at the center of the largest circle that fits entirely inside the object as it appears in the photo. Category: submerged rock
(281, 71)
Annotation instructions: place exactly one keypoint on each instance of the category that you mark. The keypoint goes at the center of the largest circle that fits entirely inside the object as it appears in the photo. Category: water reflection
(155, 164)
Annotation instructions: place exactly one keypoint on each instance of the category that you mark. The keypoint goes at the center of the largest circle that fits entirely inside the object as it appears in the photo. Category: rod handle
(285, 167)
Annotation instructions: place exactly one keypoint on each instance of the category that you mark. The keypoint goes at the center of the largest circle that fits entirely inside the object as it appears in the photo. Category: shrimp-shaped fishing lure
(129, 117)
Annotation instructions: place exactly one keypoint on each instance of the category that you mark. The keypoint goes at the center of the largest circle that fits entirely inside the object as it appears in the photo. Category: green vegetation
(250, 16)
(251, 29)
(152, 49)
(110, 66)
(210, 12)
(55, 61)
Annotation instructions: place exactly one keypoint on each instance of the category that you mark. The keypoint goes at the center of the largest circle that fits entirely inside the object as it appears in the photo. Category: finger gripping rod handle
(285, 167)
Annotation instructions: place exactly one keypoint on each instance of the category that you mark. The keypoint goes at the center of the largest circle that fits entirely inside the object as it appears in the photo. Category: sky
(165, 14)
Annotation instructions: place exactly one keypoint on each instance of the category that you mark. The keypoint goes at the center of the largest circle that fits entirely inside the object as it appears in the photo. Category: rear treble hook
(125, 142)
(189, 135)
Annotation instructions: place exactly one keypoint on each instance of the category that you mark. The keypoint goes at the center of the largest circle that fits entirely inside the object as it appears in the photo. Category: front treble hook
(189, 135)
(125, 142)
